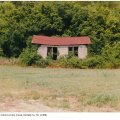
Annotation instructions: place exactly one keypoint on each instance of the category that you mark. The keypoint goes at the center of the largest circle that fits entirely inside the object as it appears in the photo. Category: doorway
(54, 53)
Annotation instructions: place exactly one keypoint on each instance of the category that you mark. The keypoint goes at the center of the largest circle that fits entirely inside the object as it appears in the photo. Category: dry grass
(10, 61)
(69, 89)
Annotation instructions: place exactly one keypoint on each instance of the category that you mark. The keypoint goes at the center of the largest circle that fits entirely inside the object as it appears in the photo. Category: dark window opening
(70, 49)
(73, 50)
(49, 51)
(76, 51)
(52, 52)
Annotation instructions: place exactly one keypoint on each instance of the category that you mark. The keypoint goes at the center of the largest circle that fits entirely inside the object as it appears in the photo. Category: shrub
(112, 64)
(109, 58)
(73, 62)
(111, 55)
(29, 57)
(1, 52)
(43, 62)
(69, 61)
(93, 62)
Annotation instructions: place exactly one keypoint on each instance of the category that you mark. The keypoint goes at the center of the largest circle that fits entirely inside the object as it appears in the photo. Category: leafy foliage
(98, 20)
(29, 57)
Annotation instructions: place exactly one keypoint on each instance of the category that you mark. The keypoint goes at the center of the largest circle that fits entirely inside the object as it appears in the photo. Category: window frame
(72, 49)
(51, 52)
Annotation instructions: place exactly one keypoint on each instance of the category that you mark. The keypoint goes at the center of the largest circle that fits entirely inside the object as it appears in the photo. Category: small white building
(61, 46)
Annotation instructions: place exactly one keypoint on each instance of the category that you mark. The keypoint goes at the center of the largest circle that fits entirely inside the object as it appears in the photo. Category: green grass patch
(101, 100)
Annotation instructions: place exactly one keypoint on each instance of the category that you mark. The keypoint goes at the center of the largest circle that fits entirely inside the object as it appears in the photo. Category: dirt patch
(10, 105)
(25, 106)
(4, 62)
(98, 109)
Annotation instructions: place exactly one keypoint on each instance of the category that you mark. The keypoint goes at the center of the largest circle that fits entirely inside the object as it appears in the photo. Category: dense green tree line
(20, 20)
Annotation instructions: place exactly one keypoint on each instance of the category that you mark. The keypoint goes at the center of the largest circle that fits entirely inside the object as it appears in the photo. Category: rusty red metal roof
(45, 40)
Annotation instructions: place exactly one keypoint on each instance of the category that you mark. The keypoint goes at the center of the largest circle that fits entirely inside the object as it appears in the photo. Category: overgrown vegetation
(110, 58)
(29, 56)
(98, 20)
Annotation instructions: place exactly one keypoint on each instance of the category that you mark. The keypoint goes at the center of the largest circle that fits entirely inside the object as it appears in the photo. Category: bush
(111, 55)
(112, 64)
(1, 52)
(92, 62)
(73, 62)
(110, 58)
(29, 57)
(70, 61)
(43, 62)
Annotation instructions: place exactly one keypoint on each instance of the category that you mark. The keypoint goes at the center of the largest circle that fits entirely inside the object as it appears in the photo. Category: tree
(20, 20)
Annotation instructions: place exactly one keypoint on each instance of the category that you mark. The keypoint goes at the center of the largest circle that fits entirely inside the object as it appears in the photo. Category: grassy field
(69, 89)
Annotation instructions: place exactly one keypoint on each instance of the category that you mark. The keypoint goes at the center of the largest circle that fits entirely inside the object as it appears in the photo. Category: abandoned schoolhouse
(61, 46)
